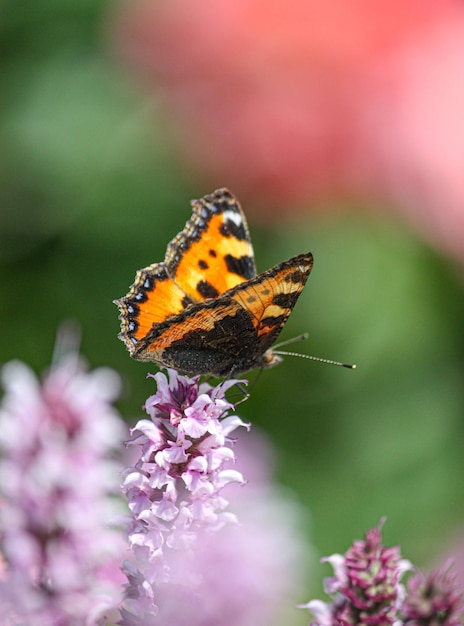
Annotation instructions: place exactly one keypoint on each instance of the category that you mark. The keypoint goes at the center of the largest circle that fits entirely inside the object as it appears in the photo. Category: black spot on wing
(232, 229)
(274, 321)
(218, 201)
(212, 253)
(129, 305)
(294, 277)
(186, 301)
(206, 289)
(242, 266)
(131, 311)
(141, 295)
(286, 300)
(203, 265)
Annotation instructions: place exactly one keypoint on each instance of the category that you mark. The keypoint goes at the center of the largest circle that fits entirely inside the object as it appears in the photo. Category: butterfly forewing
(213, 253)
(270, 299)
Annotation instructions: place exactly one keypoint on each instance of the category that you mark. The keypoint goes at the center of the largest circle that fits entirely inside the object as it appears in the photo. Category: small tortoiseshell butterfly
(204, 310)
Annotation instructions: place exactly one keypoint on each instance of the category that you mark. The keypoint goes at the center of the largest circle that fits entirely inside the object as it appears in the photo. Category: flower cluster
(189, 561)
(175, 488)
(57, 478)
(366, 590)
(434, 599)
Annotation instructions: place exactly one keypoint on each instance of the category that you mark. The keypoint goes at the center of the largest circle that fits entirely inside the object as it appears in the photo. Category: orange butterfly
(204, 310)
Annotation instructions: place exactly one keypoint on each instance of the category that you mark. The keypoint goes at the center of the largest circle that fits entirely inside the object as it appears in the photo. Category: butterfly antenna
(315, 358)
(292, 340)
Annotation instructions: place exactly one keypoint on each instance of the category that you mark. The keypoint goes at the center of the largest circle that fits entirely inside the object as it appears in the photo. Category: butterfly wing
(153, 298)
(209, 256)
(232, 332)
(270, 298)
(213, 253)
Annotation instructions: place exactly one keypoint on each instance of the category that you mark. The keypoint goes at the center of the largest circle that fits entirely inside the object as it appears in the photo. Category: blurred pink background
(296, 103)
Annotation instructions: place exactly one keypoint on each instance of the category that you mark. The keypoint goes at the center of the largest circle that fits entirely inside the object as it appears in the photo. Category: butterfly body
(204, 310)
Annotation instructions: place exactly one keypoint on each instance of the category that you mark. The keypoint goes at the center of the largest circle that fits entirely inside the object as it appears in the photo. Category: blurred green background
(91, 190)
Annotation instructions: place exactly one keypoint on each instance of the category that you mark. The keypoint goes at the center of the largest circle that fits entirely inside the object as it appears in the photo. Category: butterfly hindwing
(232, 332)
(205, 338)
(152, 299)
(270, 299)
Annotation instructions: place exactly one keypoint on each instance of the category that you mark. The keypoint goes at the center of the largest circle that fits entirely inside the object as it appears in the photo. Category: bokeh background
(340, 127)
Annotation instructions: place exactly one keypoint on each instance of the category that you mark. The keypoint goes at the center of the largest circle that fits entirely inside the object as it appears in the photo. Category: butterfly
(204, 309)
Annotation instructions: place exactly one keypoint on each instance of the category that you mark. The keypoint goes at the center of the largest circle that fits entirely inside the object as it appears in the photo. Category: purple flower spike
(366, 588)
(372, 584)
(175, 487)
(57, 477)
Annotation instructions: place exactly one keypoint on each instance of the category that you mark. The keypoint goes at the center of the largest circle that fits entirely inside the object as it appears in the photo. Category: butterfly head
(270, 358)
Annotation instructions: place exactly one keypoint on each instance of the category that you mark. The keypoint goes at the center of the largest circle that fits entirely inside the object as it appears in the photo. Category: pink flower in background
(366, 589)
(246, 574)
(433, 599)
(297, 102)
(456, 554)
(189, 560)
(56, 478)
(366, 586)
(192, 563)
